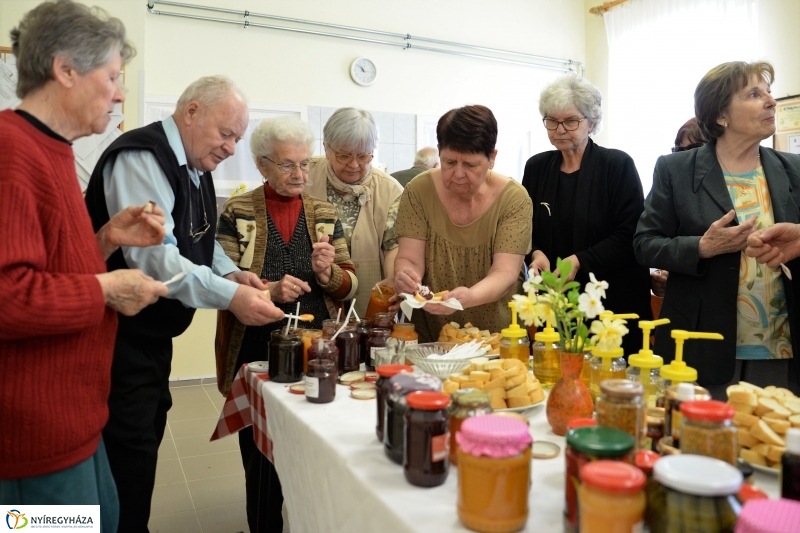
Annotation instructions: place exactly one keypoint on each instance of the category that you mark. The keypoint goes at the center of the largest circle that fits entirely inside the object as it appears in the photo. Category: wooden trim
(5, 49)
(607, 6)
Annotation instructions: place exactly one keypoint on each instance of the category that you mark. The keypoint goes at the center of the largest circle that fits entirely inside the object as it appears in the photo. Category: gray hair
(427, 156)
(272, 131)
(208, 91)
(352, 129)
(87, 37)
(572, 90)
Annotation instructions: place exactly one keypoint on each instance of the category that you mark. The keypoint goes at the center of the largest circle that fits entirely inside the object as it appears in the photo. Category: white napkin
(410, 303)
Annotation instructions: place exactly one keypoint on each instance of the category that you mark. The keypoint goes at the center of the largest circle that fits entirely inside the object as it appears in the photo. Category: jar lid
(471, 398)
(493, 436)
(576, 423)
(613, 476)
(427, 400)
(405, 382)
(622, 388)
(769, 516)
(645, 359)
(645, 459)
(749, 492)
(697, 475)
(387, 371)
(601, 441)
(547, 334)
(700, 393)
(403, 325)
(708, 410)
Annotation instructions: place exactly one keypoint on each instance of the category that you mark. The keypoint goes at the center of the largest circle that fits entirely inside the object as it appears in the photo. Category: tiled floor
(199, 484)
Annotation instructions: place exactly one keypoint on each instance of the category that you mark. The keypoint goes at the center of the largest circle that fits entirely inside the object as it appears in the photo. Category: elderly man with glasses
(366, 199)
(170, 163)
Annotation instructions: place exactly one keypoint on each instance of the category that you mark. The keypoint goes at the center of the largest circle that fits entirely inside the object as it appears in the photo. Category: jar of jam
(320, 381)
(285, 357)
(306, 335)
(620, 406)
(324, 349)
(329, 327)
(708, 429)
(426, 456)
(376, 340)
(379, 300)
(466, 403)
(362, 328)
(494, 473)
(394, 423)
(611, 497)
(347, 342)
(674, 396)
(385, 372)
(383, 320)
(405, 331)
(586, 444)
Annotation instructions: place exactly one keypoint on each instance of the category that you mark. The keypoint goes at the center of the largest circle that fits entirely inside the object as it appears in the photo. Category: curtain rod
(567, 64)
(607, 6)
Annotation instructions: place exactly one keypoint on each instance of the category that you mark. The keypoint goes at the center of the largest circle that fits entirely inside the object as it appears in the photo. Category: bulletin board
(787, 125)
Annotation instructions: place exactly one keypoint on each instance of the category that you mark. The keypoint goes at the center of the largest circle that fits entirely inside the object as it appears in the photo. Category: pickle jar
(707, 429)
(584, 445)
(394, 422)
(494, 473)
(611, 497)
(426, 455)
(466, 403)
(385, 372)
(674, 396)
(620, 406)
(693, 493)
(606, 364)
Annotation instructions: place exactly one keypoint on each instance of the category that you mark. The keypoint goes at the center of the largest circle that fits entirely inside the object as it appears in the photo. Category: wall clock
(363, 71)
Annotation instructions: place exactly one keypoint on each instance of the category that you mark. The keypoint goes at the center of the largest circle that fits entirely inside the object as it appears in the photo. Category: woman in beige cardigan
(366, 199)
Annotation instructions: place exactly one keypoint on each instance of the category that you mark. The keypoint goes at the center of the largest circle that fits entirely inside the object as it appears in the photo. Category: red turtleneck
(284, 210)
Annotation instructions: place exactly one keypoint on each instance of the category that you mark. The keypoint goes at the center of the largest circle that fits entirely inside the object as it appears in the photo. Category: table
(335, 476)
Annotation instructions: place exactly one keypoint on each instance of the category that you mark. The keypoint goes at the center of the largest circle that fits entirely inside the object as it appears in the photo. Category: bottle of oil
(790, 466)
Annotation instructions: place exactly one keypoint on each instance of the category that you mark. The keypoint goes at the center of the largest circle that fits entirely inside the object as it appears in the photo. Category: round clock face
(363, 71)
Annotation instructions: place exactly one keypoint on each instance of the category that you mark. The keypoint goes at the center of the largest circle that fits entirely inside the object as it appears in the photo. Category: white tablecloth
(335, 476)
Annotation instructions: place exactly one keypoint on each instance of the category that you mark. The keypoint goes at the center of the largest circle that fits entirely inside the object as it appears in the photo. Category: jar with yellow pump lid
(606, 364)
(547, 357)
(515, 344)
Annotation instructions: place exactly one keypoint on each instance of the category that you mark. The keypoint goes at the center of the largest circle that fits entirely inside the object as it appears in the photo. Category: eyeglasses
(346, 159)
(676, 149)
(288, 168)
(571, 124)
(195, 236)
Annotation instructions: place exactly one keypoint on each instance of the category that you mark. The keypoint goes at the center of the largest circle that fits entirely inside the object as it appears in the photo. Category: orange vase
(569, 398)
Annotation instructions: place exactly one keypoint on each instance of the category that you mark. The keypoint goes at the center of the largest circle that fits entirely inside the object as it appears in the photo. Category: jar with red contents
(376, 340)
(494, 459)
(707, 429)
(362, 328)
(385, 372)
(426, 454)
(400, 385)
(320, 381)
(611, 497)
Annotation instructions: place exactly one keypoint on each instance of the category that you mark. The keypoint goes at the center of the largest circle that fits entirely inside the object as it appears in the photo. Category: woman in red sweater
(59, 321)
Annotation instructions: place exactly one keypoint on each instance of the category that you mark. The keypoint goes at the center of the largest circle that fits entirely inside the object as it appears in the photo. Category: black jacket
(608, 203)
(688, 195)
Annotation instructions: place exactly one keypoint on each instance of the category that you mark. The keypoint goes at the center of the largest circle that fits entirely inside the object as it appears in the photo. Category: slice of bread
(766, 434)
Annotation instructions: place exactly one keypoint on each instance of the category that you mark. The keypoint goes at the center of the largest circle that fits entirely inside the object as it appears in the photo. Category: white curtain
(658, 52)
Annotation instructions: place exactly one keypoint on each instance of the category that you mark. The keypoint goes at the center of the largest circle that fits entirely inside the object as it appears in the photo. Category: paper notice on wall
(8, 86)
(794, 144)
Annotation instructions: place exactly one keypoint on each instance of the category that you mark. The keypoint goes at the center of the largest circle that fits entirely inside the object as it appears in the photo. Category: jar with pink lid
(494, 471)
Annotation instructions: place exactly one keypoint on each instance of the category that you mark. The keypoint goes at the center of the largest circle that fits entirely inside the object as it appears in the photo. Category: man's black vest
(167, 317)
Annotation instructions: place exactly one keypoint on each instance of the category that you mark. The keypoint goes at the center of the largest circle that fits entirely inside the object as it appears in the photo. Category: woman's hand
(719, 240)
(406, 280)
(288, 289)
(775, 245)
(322, 258)
(133, 226)
(539, 263)
(575, 266)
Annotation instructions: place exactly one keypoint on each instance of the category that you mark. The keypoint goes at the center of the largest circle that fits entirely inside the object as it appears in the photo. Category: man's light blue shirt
(136, 178)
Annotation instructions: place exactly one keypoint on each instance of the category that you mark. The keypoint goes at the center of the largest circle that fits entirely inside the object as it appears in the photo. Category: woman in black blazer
(703, 205)
(586, 202)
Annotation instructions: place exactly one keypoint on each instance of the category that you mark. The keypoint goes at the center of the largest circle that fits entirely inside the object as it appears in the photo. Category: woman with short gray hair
(365, 198)
(586, 200)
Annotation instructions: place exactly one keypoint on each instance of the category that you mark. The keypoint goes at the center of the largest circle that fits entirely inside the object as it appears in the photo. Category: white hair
(572, 90)
(208, 91)
(351, 129)
(285, 129)
(427, 156)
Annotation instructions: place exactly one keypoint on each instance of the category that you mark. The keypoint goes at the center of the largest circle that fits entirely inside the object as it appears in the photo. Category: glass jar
(693, 493)
(648, 377)
(324, 349)
(708, 429)
(611, 497)
(379, 301)
(347, 342)
(620, 406)
(606, 364)
(320, 381)
(285, 357)
(405, 331)
(516, 348)
(674, 396)
(362, 328)
(466, 403)
(376, 340)
(547, 359)
(306, 335)
(394, 423)
(426, 455)
(494, 474)
(655, 428)
(329, 327)
(584, 445)
(383, 320)
(663, 385)
(385, 372)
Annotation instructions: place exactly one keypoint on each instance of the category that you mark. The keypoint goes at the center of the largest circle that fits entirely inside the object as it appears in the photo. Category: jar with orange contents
(306, 335)
(379, 301)
(611, 497)
(466, 403)
(494, 458)
(405, 331)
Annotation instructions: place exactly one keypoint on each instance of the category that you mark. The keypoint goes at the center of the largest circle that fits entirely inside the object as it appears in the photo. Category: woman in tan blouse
(463, 228)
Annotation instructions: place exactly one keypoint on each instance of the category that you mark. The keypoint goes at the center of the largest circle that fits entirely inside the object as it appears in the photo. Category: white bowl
(441, 368)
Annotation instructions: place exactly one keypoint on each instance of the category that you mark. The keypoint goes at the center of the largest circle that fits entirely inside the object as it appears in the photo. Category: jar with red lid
(376, 339)
(320, 381)
(707, 429)
(494, 458)
(385, 372)
(426, 455)
(400, 385)
(466, 403)
(611, 497)
(576, 423)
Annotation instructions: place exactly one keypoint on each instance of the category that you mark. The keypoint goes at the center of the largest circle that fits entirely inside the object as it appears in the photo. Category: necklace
(728, 172)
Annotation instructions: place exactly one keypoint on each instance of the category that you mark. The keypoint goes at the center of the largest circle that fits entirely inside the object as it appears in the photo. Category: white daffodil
(599, 286)
(528, 286)
(589, 303)
(526, 309)
(608, 333)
